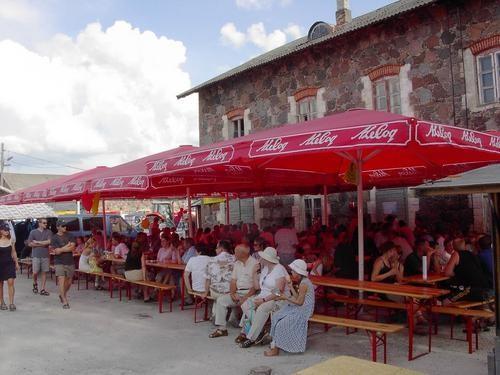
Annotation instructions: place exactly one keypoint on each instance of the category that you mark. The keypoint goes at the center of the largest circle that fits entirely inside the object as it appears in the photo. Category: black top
(388, 280)
(413, 265)
(58, 241)
(345, 260)
(468, 271)
(133, 262)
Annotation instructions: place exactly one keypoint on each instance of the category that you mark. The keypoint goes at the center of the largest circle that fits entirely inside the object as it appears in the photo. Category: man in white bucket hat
(272, 284)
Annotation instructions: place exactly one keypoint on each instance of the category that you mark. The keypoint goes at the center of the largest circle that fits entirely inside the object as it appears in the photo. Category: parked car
(84, 224)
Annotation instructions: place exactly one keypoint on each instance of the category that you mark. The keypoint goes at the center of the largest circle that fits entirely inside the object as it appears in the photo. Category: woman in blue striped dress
(289, 324)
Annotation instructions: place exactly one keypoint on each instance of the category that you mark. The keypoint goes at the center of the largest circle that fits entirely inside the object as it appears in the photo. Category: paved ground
(103, 336)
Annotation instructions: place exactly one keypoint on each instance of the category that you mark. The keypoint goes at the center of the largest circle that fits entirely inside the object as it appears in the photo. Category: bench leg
(110, 283)
(78, 282)
(87, 281)
(377, 340)
(120, 290)
(160, 301)
(452, 324)
(469, 333)
(171, 300)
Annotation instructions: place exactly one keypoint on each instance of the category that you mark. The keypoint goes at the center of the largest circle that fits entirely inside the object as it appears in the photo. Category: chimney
(343, 14)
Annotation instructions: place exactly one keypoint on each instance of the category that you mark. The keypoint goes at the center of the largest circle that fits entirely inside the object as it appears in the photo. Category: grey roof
(16, 181)
(26, 211)
(379, 15)
(481, 180)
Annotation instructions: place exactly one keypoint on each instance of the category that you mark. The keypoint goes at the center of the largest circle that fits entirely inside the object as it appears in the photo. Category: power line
(45, 160)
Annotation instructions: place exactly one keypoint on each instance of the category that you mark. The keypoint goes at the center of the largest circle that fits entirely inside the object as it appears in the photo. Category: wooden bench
(470, 316)
(161, 289)
(199, 301)
(472, 304)
(124, 283)
(376, 331)
(357, 303)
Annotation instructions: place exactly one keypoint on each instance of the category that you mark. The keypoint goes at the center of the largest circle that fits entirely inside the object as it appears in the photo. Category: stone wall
(432, 41)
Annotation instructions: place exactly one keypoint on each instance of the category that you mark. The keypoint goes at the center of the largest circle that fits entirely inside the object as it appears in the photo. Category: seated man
(120, 251)
(196, 268)
(469, 280)
(219, 271)
(413, 262)
(243, 280)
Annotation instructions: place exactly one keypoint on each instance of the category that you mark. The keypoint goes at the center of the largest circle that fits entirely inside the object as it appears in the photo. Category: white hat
(299, 266)
(270, 255)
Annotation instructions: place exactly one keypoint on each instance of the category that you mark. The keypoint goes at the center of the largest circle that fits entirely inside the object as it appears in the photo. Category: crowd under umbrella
(485, 180)
(354, 150)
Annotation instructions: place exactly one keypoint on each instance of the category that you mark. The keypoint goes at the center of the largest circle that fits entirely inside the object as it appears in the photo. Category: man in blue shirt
(486, 253)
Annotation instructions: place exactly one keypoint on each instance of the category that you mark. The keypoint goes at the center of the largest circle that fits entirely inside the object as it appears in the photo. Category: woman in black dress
(8, 266)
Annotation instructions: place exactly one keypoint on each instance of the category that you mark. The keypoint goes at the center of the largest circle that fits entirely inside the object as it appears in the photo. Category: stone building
(433, 59)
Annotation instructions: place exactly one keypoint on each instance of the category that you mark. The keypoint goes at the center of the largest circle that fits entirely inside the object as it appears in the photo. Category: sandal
(272, 352)
(218, 333)
(241, 337)
(43, 292)
(66, 306)
(3, 306)
(12, 307)
(247, 343)
(35, 288)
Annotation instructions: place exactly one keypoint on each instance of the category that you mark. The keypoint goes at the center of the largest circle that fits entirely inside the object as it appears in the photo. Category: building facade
(435, 60)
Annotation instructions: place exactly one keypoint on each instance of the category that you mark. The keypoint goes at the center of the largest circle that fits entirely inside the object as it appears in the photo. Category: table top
(421, 292)
(345, 365)
(168, 265)
(432, 278)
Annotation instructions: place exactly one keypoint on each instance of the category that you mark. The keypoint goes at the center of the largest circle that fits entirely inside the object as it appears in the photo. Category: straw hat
(299, 266)
(270, 255)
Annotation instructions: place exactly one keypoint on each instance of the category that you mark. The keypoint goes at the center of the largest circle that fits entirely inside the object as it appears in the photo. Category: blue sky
(94, 82)
(196, 23)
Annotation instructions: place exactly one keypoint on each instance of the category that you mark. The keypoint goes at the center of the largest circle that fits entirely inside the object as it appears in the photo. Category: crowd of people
(259, 279)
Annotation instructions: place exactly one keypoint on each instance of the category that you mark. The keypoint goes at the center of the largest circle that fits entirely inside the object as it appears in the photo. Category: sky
(94, 82)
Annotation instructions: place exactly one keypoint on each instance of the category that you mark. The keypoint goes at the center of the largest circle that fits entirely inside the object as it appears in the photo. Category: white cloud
(105, 97)
(231, 36)
(18, 11)
(256, 34)
(261, 4)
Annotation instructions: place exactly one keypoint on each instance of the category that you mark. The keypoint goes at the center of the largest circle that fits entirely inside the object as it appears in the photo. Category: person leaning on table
(256, 310)
(242, 286)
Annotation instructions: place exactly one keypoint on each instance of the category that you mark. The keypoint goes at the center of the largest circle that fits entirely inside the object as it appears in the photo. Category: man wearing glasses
(39, 240)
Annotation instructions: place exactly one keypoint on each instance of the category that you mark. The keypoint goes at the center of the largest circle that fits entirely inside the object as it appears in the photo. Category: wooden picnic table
(420, 295)
(432, 279)
(171, 266)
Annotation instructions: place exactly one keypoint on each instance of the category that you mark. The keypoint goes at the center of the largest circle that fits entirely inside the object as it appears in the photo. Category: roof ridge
(364, 20)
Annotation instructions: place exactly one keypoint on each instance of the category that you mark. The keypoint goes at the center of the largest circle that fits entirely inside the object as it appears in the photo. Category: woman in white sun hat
(289, 324)
(256, 311)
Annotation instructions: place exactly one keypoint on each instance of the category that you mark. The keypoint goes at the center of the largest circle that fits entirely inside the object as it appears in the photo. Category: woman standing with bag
(8, 266)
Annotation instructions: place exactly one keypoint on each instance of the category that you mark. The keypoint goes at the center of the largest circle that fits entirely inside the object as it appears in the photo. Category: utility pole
(2, 163)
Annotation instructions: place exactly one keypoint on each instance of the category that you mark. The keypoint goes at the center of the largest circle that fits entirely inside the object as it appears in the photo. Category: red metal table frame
(424, 297)
(172, 266)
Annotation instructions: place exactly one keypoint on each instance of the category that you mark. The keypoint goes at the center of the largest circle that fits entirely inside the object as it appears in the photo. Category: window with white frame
(237, 127)
(488, 76)
(307, 109)
(387, 94)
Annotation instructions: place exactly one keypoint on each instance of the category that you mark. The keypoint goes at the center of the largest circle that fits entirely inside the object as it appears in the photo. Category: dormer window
(319, 30)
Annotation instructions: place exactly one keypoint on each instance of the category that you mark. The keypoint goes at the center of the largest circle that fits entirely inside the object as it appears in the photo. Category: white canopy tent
(25, 211)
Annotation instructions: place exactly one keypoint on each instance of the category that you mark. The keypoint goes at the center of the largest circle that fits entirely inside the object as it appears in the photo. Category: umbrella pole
(105, 235)
(190, 218)
(494, 356)
(361, 242)
(227, 209)
(325, 205)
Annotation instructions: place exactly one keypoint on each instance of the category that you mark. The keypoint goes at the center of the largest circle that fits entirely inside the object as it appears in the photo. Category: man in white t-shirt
(286, 242)
(196, 267)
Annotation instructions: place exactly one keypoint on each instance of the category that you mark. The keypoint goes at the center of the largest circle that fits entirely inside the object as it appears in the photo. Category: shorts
(134, 275)
(40, 264)
(65, 270)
